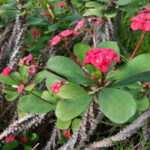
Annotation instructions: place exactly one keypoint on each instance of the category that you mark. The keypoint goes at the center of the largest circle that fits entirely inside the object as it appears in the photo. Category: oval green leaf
(93, 11)
(69, 109)
(134, 67)
(63, 125)
(69, 69)
(117, 105)
(69, 91)
(33, 104)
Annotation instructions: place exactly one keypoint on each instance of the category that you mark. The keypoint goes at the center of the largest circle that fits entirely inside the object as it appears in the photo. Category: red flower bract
(95, 19)
(6, 71)
(24, 139)
(20, 88)
(55, 40)
(66, 134)
(101, 58)
(35, 32)
(61, 4)
(79, 24)
(9, 139)
(66, 33)
(55, 87)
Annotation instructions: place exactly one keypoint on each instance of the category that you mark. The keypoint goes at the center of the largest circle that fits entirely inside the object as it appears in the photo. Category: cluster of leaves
(119, 102)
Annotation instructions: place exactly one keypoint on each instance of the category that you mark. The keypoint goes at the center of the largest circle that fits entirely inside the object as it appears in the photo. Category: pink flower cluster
(9, 139)
(32, 69)
(101, 58)
(95, 19)
(55, 87)
(28, 59)
(61, 4)
(66, 134)
(6, 71)
(56, 39)
(35, 32)
(141, 21)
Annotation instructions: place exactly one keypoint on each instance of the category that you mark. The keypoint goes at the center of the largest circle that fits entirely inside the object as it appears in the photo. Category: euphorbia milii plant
(92, 73)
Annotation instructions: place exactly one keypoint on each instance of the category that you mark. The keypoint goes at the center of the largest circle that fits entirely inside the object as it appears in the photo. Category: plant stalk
(139, 43)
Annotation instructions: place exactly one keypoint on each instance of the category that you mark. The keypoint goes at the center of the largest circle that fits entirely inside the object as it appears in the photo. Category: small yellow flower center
(97, 60)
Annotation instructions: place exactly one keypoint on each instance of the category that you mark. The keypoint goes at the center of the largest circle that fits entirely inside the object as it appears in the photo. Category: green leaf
(24, 73)
(142, 103)
(71, 18)
(93, 4)
(39, 77)
(16, 76)
(38, 45)
(75, 125)
(31, 137)
(34, 21)
(69, 69)
(9, 89)
(143, 77)
(69, 109)
(48, 96)
(33, 104)
(30, 38)
(80, 50)
(8, 80)
(12, 96)
(134, 67)
(10, 146)
(93, 11)
(135, 86)
(27, 4)
(53, 27)
(69, 91)
(27, 147)
(123, 2)
(110, 14)
(63, 125)
(30, 87)
(117, 105)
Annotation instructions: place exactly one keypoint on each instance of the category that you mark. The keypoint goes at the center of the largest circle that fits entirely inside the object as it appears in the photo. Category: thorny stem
(139, 43)
(94, 41)
(40, 97)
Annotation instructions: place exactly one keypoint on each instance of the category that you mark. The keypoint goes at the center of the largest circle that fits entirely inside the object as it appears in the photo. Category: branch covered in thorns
(122, 135)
